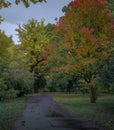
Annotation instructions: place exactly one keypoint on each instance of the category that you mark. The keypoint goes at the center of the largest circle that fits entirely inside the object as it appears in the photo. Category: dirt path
(43, 113)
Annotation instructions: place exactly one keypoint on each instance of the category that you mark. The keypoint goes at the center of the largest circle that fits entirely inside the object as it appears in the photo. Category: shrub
(11, 94)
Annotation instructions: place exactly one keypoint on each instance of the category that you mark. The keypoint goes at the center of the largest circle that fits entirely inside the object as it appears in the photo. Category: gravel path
(43, 113)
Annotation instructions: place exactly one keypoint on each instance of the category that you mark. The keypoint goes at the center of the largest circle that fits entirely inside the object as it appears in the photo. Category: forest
(75, 55)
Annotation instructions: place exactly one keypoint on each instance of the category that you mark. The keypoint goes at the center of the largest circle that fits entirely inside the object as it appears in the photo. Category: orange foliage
(85, 31)
(87, 3)
(67, 68)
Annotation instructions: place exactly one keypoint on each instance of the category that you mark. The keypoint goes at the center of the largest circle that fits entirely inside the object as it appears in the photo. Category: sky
(18, 14)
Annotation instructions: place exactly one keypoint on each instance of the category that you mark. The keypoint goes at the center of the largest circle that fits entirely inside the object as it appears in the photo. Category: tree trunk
(36, 84)
(93, 94)
(69, 85)
(68, 89)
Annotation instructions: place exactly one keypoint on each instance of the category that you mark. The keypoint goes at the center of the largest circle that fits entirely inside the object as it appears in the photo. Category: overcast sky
(18, 14)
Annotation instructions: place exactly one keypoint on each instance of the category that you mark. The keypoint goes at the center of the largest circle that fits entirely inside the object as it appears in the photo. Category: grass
(101, 113)
(8, 112)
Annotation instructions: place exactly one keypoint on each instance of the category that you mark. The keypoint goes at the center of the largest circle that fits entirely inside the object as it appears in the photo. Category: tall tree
(5, 43)
(86, 36)
(33, 40)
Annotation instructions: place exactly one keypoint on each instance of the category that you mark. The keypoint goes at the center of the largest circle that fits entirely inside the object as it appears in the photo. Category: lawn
(8, 112)
(101, 113)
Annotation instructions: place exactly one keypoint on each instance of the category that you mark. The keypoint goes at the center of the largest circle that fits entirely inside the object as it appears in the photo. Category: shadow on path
(43, 113)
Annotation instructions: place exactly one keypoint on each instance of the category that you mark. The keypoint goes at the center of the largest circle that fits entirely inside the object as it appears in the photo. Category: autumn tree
(86, 36)
(33, 39)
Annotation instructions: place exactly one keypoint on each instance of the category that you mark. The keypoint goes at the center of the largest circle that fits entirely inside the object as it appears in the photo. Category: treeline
(74, 55)
(15, 79)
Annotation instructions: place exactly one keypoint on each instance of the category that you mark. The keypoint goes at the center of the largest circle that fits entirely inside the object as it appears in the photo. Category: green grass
(8, 112)
(101, 113)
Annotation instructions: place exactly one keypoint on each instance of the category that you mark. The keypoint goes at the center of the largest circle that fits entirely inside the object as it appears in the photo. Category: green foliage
(20, 80)
(15, 78)
(15, 82)
(49, 28)
(63, 82)
(111, 6)
(107, 72)
(42, 82)
(3, 86)
(65, 9)
(34, 38)
(57, 80)
(6, 4)
(2, 89)
(106, 77)
(5, 43)
(11, 94)
(27, 2)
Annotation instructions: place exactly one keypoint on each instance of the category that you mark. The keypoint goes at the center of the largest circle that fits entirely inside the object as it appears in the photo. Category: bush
(3, 86)
(11, 94)
(19, 82)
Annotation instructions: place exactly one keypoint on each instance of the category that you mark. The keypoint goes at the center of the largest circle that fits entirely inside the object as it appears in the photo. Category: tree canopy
(5, 43)
(86, 36)
(34, 39)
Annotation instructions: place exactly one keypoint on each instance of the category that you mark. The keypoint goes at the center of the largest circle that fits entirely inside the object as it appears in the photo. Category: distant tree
(62, 82)
(106, 75)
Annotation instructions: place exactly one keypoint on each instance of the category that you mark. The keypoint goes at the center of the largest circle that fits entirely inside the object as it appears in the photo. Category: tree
(61, 81)
(86, 36)
(33, 40)
(106, 75)
(5, 43)
(15, 79)
(49, 28)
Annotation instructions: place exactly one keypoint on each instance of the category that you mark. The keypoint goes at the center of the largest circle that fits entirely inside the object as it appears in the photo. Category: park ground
(101, 113)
